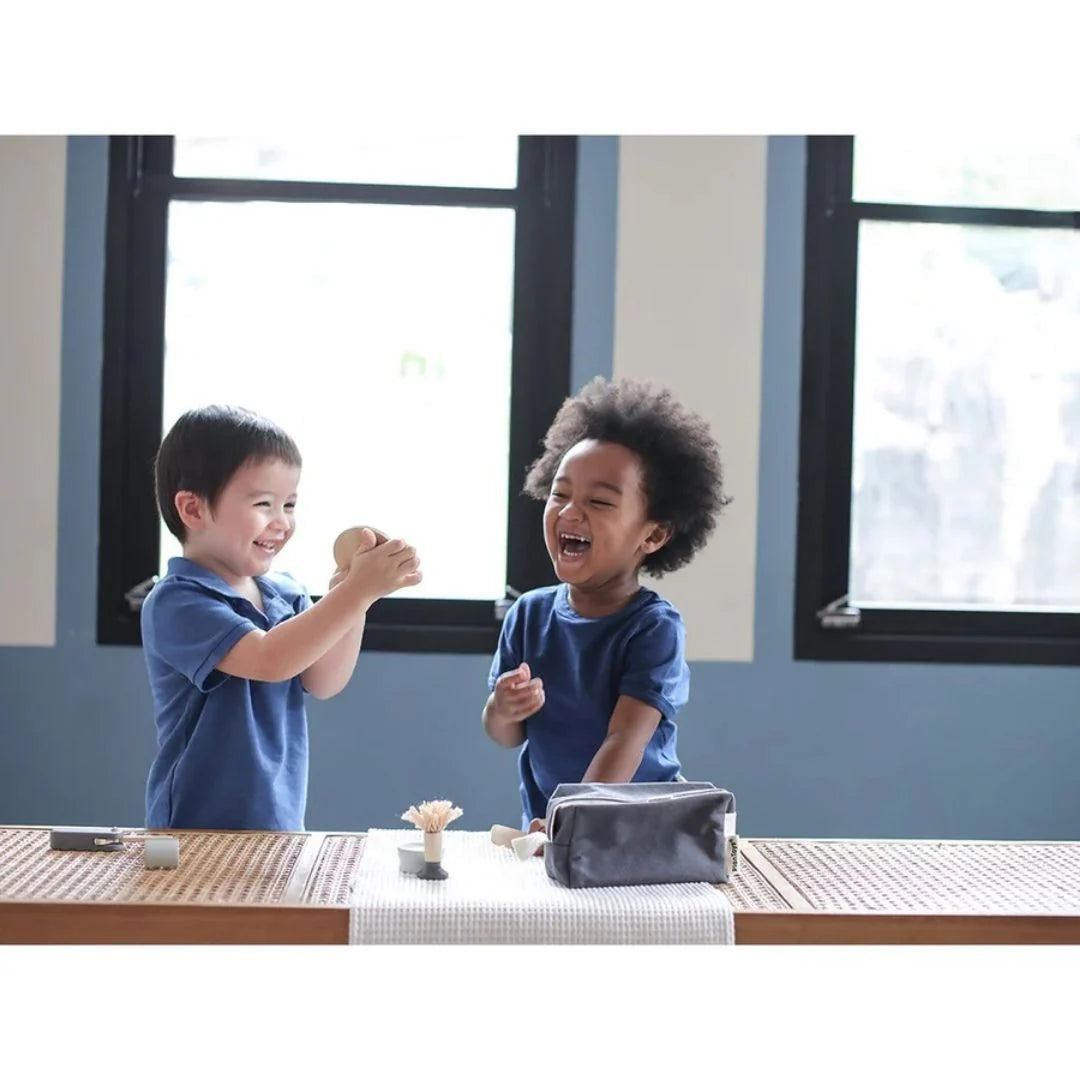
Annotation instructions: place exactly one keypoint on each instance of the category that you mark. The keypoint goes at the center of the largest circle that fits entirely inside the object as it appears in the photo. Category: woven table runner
(493, 898)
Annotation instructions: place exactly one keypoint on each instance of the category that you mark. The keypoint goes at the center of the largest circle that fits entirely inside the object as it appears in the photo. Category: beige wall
(689, 292)
(32, 173)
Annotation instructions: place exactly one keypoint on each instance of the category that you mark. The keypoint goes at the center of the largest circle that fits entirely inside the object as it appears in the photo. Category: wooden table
(294, 888)
(932, 892)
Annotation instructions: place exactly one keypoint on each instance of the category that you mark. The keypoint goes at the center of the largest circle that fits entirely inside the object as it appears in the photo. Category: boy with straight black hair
(232, 647)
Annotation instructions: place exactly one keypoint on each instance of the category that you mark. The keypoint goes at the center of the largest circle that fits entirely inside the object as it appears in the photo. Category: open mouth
(269, 546)
(573, 545)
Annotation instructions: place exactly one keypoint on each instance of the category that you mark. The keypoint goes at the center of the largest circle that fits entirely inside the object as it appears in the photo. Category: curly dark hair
(680, 458)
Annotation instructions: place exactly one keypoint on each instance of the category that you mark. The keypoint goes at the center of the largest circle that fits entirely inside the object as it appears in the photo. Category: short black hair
(204, 449)
(680, 458)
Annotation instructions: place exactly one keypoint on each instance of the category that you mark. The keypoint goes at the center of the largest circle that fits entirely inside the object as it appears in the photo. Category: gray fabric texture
(638, 834)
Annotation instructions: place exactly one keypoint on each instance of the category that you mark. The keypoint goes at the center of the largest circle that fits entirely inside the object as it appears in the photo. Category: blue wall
(809, 749)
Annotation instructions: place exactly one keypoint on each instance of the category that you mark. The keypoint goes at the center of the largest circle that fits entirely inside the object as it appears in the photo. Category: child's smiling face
(251, 521)
(596, 524)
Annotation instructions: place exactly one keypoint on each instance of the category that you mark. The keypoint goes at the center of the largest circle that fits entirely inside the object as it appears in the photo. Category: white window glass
(439, 162)
(966, 451)
(1020, 171)
(379, 337)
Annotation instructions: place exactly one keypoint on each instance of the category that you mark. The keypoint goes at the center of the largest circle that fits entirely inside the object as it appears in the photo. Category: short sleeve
(191, 630)
(508, 654)
(654, 669)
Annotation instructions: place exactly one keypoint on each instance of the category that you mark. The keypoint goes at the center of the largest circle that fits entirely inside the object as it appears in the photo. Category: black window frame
(141, 186)
(826, 627)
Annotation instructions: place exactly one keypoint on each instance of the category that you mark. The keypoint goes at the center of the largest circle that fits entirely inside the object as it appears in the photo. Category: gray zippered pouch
(640, 834)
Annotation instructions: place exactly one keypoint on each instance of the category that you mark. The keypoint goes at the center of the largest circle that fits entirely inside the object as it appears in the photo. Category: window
(939, 475)
(401, 308)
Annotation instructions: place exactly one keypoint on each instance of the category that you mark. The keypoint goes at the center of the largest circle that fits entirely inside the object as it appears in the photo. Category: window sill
(885, 647)
(378, 637)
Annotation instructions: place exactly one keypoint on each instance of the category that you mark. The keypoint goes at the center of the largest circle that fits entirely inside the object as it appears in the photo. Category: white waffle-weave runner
(493, 898)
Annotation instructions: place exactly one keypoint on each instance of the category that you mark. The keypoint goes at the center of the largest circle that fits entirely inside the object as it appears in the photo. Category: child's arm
(294, 645)
(654, 680)
(330, 674)
(631, 727)
(515, 698)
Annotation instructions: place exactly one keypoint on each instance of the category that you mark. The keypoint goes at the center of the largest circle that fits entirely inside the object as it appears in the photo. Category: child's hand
(517, 695)
(537, 825)
(357, 538)
(378, 569)
(365, 539)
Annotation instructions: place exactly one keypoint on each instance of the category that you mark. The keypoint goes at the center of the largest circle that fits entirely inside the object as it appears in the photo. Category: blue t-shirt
(232, 753)
(586, 665)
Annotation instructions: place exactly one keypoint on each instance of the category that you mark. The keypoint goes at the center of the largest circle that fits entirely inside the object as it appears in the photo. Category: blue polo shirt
(232, 753)
(586, 665)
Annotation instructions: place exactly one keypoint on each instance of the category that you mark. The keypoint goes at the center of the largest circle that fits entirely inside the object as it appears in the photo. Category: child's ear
(192, 510)
(657, 537)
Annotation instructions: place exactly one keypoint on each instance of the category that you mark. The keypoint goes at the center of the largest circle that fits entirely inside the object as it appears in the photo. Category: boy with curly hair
(590, 673)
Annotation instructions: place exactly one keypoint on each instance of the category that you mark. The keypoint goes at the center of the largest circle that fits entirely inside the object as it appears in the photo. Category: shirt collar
(275, 604)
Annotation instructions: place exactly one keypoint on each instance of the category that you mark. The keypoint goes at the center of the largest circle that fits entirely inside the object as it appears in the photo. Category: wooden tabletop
(294, 888)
